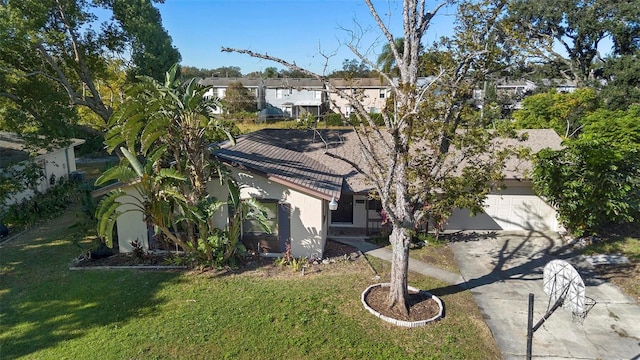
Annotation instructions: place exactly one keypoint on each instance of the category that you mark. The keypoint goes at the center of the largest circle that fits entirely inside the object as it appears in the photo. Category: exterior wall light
(333, 205)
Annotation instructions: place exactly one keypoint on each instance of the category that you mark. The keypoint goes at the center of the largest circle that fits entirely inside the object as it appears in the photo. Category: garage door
(514, 209)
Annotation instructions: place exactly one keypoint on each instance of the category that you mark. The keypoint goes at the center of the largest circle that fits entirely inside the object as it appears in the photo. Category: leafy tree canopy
(613, 127)
(238, 99)
(352, 69)
(579, 27)
(559, 111)
(56, 57)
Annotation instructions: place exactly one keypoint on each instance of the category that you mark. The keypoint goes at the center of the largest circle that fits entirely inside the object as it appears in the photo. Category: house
(219, 88)
(371, 92)
(58, 162)
(291, 174)
(516, 207)
(296, 97)
(277, 97)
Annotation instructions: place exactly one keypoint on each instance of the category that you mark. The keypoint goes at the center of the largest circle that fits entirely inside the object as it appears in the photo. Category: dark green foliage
(42, 206)
(622, 88)
(377, 118)
(239, 99)
(352, 69)
(333, 120)
(151, 50)
(591, 183)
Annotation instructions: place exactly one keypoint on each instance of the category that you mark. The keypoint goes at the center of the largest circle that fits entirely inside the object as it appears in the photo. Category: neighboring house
(371, 92)
(279, 97)
(561, 85)
(509, 92)
(296, 97)
(219, 88)
(57, 163)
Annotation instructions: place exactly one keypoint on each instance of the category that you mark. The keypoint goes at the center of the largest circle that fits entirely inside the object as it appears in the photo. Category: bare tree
(408, 160)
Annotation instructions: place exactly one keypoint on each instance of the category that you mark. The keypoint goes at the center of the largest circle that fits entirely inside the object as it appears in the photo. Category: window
(382, 93)
(374, 204)
(317, 94)
(222, 93)
(252, 228)
(279, 93)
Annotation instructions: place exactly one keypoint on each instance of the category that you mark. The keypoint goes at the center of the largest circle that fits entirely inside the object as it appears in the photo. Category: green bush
(592, 184)
(333, 119)
(376, 117)
(42, 205)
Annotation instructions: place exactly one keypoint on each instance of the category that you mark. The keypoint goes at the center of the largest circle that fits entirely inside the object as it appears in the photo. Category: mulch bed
(332, 250)
(421, 305)
(124, 260)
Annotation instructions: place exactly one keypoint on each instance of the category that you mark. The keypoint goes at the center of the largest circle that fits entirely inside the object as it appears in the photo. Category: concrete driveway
(502, 268)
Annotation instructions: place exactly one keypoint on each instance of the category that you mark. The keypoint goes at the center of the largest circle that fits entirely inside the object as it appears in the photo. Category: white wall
(58, 163)
(515, 208)
(308, 213)
(131, 225)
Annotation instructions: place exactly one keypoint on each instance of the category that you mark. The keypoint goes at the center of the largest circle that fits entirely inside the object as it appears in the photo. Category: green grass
(50, 312)
(627, 246)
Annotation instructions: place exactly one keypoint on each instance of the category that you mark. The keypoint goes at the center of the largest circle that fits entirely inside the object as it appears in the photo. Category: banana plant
(157, 194)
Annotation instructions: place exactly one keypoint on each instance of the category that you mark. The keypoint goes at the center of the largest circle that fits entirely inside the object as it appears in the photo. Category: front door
(344, 212)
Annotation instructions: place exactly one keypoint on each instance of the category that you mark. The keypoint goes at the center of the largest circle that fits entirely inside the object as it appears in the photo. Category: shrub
(376, 117)
(591, 184)
(333, 120)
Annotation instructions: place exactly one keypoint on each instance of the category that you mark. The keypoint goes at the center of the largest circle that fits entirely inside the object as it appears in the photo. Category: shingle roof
(300, 156)
(260, 152)
(13, 148)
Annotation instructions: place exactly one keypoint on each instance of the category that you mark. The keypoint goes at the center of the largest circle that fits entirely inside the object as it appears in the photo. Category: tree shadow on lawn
(43, 303)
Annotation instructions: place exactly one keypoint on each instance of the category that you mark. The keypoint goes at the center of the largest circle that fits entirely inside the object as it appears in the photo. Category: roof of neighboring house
(296, 83)
(359, 83)
(13, 149)
(268, 155)
(267, 83)
(225, 81)
(300, 156)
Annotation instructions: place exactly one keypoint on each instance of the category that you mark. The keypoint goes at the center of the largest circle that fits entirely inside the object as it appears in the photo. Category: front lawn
(50, 312)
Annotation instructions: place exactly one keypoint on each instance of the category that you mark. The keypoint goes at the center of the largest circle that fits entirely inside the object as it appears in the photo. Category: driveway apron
(502, 268)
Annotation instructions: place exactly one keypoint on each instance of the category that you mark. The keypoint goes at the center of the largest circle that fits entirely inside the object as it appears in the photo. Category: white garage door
(516, 208)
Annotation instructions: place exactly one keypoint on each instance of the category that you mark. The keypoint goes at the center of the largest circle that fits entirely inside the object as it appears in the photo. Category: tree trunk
(398, 293)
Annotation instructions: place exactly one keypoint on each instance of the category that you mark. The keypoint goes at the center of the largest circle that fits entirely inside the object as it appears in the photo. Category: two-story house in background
(278, 98)
(371, 92)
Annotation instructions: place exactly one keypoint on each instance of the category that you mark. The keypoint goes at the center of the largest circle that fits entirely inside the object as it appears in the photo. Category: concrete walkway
(502, 268)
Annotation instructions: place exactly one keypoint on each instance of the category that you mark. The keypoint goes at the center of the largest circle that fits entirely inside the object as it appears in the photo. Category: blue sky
(293, 30)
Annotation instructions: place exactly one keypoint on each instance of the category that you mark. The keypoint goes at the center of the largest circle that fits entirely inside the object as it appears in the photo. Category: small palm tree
(387, 60)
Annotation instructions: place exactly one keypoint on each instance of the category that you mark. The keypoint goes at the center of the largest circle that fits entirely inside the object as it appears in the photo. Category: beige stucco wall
(370, 97)
(308, 213)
